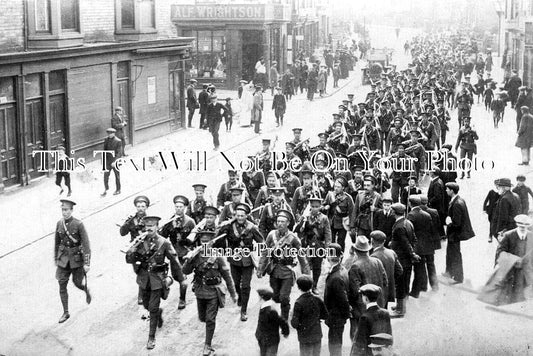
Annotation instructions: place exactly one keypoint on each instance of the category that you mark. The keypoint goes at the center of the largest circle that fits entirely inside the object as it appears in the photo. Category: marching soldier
(339, 207)
(300, 147)
(196, 207)
(72, 255)
(269, 213)
(177, 230)
(148, 258)
(279, 264)
(224, 194)
(323, 145)
(303, 193)
(265, 193)
(134, 225)
(209, 271)
(253, 181)
(240, 235)
(466, 140)
(208, 223)
(315, 233)
(228, 212)
(290, 182)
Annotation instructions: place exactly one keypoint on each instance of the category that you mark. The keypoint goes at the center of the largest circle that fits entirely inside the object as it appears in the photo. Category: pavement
(448, 322)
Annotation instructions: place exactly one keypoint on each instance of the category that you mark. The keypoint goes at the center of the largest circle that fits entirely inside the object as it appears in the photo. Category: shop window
(208, 57)
(69, 15)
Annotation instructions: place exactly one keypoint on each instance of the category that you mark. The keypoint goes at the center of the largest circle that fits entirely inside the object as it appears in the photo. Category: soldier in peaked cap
(279, 265)
(177, 230)
(72, 255)
(366, 202)
(224, 193)
(315, 233)
(149, 261)
(269, 212)
(339, 205)
(302, 194)
(241, 234)
(196, 207)
(228, 211)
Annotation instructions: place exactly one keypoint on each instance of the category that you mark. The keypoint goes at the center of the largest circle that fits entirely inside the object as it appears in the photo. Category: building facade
(65, 65)
(518, 29)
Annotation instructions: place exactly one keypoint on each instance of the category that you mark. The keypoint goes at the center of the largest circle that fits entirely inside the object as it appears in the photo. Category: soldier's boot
(244, 316)
(63, 295)
(208, 350)
(399, 310)
(183, 292)
(64, 317)
(151, 343)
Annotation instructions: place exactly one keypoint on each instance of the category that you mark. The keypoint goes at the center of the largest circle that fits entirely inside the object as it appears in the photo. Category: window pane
(56, 80)
(7, 92)
(128, 13)
(42, 15)
(204, 41)
(69, 14)
(146, 8)
(123, 70)
(32, 85)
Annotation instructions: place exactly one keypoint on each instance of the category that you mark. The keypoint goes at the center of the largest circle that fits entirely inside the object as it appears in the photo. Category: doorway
(252, 50)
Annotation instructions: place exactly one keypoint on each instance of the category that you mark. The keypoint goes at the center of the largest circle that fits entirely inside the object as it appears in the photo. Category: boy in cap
(62, 170)
(374, 320)
(113, 144)
(309, 309)
(177, 230)
(269, 324)
(209, 272)
(279, 105)
(523, 192)
(72, 255)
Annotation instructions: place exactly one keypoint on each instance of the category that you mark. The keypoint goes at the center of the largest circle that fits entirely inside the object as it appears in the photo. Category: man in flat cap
(366, 202)
(149, 257)
(72, 255)
(118, 122)
(240, 235)
(374, 320)
(459, 229)
(403, 242)
(279, 264)
(517, 245)
(524, 141)
(177, 230)
(339, 206)
(192, 101)
(506, 208)
(114, 146)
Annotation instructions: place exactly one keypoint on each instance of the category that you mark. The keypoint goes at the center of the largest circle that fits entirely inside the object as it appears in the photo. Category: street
(448, 322)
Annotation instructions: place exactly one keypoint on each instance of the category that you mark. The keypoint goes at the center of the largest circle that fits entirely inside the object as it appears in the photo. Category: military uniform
(267, 222)
(72, 251)
(362, 216)
(300, 200)
(340, 207)
(291, 183)
(149, 261)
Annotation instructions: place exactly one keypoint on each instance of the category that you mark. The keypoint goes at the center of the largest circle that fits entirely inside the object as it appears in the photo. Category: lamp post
(499, 6)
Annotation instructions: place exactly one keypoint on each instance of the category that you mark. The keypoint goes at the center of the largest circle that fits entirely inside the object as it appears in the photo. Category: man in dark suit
(507, 207)
(390, 262)
(422, 224)
(437, 194)
(269, 324)
(374, 320)
(113, 144)
(384, 219)
(192, 101)
(459, 229)
(203, 100)
(518, 242)
(118, 122)
(336, 300)
(403, 242)
(437, 229)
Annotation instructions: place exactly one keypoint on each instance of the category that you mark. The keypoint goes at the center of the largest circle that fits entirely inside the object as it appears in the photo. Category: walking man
(118, 122)
(114, 145)
(192, 101)
(215, 111)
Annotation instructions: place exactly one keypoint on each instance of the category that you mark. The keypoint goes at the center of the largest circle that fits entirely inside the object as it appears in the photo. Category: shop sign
(214, 12)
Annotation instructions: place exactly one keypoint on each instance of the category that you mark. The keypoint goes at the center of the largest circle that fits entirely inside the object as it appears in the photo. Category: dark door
(124, 102)
(251, 52)
(8, 145)
(57, 122)
(34, 126)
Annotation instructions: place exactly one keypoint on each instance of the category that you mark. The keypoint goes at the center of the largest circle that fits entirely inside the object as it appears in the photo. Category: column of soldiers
(377, 218)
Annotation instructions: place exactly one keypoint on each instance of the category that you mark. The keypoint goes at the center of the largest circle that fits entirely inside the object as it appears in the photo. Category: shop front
(67, 97)
(230, 39)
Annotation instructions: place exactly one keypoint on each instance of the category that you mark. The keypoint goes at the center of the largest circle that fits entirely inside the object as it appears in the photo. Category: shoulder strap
(68, 232)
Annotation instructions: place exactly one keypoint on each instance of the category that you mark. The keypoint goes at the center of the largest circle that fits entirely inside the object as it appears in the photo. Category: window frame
(137, 28)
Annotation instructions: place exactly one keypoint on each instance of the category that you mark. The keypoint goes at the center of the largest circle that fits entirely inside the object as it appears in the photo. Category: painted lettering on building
(192, 12)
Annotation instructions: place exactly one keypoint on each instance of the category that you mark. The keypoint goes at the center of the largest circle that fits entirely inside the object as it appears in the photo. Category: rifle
(136, 242)
(191, 254)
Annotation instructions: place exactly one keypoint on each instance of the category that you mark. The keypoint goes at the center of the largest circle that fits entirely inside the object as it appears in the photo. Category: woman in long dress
(247, 102)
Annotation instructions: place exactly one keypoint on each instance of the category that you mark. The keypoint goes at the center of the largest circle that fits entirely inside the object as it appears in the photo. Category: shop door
(34, 126)
(252, 50)
(8, 145)
(57, 122)
(124, 102)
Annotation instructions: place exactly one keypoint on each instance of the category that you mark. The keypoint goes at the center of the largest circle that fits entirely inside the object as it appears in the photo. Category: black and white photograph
(266, 177)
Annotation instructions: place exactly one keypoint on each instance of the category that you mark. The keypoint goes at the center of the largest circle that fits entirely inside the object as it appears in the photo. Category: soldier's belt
(156, 268)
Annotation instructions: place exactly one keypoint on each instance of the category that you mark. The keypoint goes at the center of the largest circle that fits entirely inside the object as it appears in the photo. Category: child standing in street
(228, 115)
(523, 192)
(269, 324)
(309, 309)
(62, 170)
(279, 105)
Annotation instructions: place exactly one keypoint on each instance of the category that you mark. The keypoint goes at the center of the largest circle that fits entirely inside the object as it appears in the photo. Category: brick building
(66, 64)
